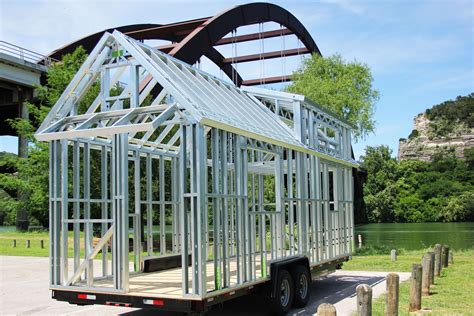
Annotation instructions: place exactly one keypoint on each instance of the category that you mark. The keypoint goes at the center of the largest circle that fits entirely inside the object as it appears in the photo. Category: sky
(421, 53)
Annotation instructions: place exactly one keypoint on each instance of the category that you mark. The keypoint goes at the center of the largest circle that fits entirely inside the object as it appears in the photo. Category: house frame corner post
(54, 212)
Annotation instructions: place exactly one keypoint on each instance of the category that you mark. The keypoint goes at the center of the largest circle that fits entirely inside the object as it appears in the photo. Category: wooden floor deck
(168, 283)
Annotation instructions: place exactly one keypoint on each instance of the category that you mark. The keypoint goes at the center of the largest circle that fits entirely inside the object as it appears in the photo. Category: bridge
(20, 71)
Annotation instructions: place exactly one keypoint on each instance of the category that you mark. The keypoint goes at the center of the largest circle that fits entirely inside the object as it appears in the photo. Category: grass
(451, 294)
(35, 250)
(6, 244)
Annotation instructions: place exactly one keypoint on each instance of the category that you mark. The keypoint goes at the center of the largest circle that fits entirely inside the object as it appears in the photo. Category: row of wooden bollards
(422, 276)
(28, 243)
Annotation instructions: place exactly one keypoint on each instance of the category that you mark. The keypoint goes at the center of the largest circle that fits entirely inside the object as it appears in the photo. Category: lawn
(35, 250)
(451, 294)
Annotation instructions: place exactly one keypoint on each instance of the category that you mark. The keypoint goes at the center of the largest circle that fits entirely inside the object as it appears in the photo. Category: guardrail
(25, 54)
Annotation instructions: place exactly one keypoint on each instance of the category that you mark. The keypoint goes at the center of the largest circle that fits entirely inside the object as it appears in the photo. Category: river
(412, 236)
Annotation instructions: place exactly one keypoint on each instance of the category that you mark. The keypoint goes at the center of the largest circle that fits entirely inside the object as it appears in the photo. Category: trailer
(177, 191)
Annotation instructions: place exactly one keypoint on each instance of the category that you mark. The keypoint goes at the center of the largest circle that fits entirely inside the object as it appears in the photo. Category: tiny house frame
(226, 179)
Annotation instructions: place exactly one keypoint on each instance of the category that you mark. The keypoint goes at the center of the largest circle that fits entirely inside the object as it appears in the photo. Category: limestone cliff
(445, 127)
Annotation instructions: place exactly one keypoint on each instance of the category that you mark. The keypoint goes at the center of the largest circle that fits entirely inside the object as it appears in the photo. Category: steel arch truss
(196, 38)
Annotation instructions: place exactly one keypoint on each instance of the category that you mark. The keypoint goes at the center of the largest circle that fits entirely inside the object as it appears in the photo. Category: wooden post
(445, 255)
(359, 238)
(437, 251)
(391, 303)
(393, 255)
(27, 243)
(42, 244)
(326, 309)
(14, 243)
(415, 289)
(450, 258)
(432, 266)
(425, 280)
(364, 300)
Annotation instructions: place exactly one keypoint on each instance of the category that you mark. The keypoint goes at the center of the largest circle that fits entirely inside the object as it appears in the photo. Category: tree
(33, 184)
(417, 191)
(380, 190)
(459, 208)
(343, 87)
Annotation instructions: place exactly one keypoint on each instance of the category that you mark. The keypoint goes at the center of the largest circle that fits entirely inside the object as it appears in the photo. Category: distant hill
(446, 127)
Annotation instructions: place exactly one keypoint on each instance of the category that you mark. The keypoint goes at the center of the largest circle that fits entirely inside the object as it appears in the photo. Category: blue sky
(421, 52)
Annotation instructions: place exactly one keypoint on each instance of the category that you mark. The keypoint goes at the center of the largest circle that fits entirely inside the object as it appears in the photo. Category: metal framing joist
(226, 178)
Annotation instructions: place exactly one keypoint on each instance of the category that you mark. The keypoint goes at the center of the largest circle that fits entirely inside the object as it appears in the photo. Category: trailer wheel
(281, 303)
(302, 285)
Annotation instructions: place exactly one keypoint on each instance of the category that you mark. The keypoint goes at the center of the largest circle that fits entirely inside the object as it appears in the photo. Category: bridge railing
(25, 54)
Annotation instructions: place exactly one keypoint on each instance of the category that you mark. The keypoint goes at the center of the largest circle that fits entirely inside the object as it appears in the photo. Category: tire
(301, 285)
(281, 304)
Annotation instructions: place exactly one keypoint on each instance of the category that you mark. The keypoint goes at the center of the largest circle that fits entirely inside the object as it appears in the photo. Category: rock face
(421, 145)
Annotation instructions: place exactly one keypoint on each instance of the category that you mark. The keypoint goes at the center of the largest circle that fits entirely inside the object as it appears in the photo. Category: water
(413, 236)
(4, 229)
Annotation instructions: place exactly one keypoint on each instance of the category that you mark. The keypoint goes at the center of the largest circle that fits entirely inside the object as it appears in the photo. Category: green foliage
(343, 87)
(416, 191)
(409, 208)
(31, 180)
(461, 109)
(414, 134)
(379, 189)
(459, 207)
(373, 250)
(469, 157)
(451, 117)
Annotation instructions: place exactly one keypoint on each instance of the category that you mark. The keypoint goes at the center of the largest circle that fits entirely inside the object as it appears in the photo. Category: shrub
(373, 250)
(414, 133)
(459, 208)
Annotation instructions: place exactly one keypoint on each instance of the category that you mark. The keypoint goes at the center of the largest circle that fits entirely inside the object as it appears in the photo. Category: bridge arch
(196, 38)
